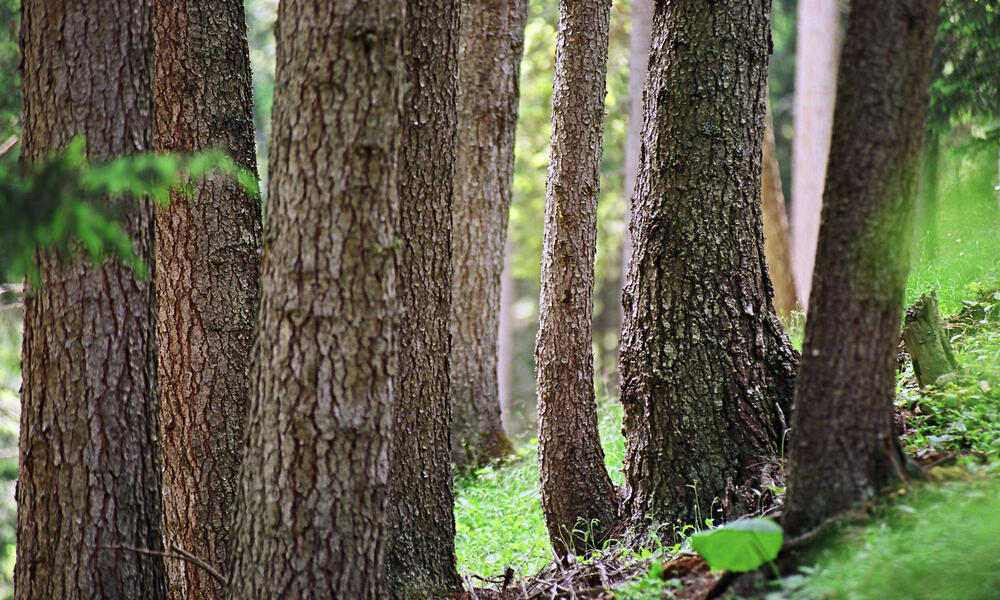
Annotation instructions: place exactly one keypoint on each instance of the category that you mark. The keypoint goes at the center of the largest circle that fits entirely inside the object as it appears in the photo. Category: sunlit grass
(935, 541)
(498, 514)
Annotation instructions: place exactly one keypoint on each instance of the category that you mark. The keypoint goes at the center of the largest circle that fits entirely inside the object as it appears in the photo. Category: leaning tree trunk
(490, 47)
(815, 84)
(578, 500)
(707, 371)
(89, 478)
(312, 499)
(776, 250)
(207, 274)
(843, 398)
(420, 559)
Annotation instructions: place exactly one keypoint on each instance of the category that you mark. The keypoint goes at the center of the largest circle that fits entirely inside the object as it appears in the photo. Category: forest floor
(937, 536)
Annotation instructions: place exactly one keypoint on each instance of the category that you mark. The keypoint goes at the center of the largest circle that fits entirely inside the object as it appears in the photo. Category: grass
(935, 541)
(498, 515)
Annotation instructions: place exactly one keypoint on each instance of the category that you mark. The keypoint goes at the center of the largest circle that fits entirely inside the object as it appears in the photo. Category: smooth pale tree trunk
(638, 62)
(505, 339)
(207, 276)
(816, 55)
(578, 500)
(842, 449)
(490, 48)
(420, 560)
(311, 515)
(776, 244)
(89, 473)
(707, 372)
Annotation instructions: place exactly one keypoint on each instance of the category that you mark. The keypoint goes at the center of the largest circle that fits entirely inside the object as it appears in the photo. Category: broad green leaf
(739, 546)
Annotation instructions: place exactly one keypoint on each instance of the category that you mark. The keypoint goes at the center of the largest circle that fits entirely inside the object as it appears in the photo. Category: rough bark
(926, 341)
(843, 402)
(776, 250)
(207, 274)
(90, 460)
(816, 54)
(420, 559)
(490, 47)
(578, 500)
(311, 503)
(707, 371)
(638, 62)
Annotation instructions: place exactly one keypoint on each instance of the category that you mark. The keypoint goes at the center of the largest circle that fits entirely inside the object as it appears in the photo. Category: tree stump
(926, 341)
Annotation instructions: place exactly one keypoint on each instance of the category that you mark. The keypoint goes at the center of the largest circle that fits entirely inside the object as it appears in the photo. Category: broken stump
(926, 341)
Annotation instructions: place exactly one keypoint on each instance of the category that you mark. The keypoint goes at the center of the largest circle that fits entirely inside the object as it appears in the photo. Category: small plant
(652, 585)
(740, 546)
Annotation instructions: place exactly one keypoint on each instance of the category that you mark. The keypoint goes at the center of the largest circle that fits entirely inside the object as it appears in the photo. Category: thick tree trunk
(707, 371)
(207, 275)
(312, 501)
(776, 250)
(490, 48)
(638, 62)
(420, 559)
(816, 57)
(842, 447)
(578, 500)
(90, 458)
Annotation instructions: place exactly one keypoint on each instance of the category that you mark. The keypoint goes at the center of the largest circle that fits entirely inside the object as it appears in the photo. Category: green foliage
(651, 585)
(741, 545)
(965, 414)
(64, 203)
(10, 77)
(966, 87)
(933, 542)
(967, 247)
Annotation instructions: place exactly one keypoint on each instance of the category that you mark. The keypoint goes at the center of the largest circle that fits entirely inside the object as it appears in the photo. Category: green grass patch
(498, 514)
(933, 542)
(966, 247)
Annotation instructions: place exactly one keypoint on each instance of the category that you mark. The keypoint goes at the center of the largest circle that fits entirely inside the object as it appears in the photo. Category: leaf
(740, 546)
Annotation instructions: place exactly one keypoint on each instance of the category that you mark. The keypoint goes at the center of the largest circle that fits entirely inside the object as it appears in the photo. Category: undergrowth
(498, 517)
(933, 542)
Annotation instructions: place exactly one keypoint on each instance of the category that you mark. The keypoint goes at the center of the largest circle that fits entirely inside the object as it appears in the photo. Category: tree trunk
(779, 262)
(843, 401)
(505, 338)
(490, 48)
(707, 371)
(207, 275)
(90, 460)
(312, 501)
(638, 62)
(578, 500)
(420, 559)
(815, 85)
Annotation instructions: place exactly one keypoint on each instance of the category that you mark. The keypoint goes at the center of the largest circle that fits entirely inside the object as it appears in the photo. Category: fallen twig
(175, 553)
